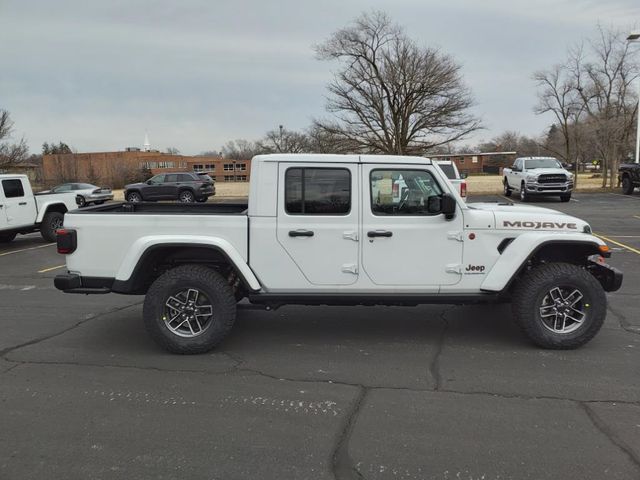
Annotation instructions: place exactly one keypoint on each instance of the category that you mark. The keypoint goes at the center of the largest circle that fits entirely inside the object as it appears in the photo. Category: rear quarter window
(12, 188)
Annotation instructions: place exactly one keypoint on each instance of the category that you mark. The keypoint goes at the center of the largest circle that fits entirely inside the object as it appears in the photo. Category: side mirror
(444, 204)
(464, 175)
(149, 182)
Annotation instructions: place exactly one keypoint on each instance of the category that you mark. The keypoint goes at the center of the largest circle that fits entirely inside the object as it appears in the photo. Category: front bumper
(535, 188)
(609, 277)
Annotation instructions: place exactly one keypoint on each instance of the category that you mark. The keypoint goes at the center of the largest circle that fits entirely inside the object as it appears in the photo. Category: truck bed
(150, 208)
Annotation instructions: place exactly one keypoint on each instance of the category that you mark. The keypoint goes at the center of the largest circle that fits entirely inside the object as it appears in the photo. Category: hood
(134, 185)
(547, 171)
(509, 216)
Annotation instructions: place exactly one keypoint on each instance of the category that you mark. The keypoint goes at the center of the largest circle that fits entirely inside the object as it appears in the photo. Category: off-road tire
(51, 222)
(627, 185)
(207, 281)
(524, 196)
(7, 237)
(533, 287)
(186, 196)
(133, 197)
(565, 198)
(507, 190)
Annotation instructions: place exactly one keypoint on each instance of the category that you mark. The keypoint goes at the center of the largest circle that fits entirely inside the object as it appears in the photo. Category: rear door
(19, 209)
(403, 244)
(317, 225)
(153, 190)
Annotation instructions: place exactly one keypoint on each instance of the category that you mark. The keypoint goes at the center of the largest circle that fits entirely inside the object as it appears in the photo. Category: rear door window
(318, 191)
(171, 178)
(12, 188)
(184, 177)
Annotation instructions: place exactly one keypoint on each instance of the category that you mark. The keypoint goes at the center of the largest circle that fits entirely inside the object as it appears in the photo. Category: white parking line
(51, 268)
(26, 249)
(625, 196)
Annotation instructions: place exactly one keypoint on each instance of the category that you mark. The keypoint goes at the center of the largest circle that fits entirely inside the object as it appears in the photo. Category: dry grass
(485, 184)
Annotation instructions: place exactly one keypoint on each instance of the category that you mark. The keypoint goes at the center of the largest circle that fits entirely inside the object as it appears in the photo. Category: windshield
(448, 170)
(542, 163)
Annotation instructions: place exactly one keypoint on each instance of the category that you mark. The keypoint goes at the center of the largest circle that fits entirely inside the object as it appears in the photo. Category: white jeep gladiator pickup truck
(23, 212)
(328, 230)
(533, 176)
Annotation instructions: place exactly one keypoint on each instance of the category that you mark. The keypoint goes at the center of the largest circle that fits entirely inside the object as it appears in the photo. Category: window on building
(198, 167)
(474, 159)
(228, 167)
(209, 167)
(12, 188)
(228, 178)
(318, 191)
(241, 178)
(242, 167)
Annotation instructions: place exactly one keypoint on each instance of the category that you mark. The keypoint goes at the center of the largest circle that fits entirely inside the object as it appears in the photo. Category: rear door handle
(300, 233)
(379, 233)
(22, 203)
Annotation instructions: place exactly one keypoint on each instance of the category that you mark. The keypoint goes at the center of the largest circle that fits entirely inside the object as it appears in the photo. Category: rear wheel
(627, 185)
(7, 237)
(81, 201)
(52, 221)
(565, 198)
(507, 190)
(559, 305)
(186, 196)
(189, 309)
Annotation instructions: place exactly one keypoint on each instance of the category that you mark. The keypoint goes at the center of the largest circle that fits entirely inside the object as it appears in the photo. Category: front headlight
(532, 178)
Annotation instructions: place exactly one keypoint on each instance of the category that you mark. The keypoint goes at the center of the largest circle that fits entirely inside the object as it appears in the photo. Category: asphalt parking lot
(432, 392)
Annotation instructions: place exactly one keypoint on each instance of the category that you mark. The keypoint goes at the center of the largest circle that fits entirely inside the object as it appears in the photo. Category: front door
(318, 220)
(403, 244)
(19, 211)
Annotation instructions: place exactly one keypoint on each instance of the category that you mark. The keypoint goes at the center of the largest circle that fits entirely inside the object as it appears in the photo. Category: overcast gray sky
(195, 73)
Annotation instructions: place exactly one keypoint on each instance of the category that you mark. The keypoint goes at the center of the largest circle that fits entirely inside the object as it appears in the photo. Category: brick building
(474, 163)
(118, 168)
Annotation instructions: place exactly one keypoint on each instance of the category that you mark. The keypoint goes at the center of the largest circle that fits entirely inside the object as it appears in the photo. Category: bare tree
(282, 140)
(603, 77)
(11, 154)
(390, 95)
(241, 149)
(172, 151)
(557, 94)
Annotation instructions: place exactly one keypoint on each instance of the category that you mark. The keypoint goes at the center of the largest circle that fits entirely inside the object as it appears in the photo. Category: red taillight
(66, 240)
(396, 189)
(463, 189)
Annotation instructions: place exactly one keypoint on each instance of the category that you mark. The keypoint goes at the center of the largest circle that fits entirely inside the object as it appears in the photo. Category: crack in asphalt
(603, 428)
(434, 366)
(623, 322)
(61, 332)
(343, 466)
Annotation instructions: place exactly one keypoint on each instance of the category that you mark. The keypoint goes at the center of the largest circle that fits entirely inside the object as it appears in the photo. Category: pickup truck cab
(329, 230)
(535, 176)
(459, 182)
(23, 212)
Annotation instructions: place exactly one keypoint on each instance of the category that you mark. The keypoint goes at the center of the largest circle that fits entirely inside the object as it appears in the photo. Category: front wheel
(559, 305)
(186, 196)
(189, 309)
(52, 221)
(627, 185)
(81, 201)
(134, 197)
(524, 196)
(507, 190)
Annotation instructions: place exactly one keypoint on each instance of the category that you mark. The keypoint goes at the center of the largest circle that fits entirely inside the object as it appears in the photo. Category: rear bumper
(609, 277)
(73, 283)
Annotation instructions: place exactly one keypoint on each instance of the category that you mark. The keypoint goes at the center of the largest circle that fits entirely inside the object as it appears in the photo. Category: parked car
(535, 176)
(22, 212)
(629, 176)
(186, 187)
(458, 180)
(86, 193)
(328, 230)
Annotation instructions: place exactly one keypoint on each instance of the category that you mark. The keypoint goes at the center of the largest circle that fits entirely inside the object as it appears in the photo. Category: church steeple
(147, 146)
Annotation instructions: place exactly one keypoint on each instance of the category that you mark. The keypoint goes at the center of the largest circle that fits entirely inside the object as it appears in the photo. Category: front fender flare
(525, 246)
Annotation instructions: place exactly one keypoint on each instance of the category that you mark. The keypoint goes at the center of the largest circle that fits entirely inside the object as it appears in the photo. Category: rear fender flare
(145, 244)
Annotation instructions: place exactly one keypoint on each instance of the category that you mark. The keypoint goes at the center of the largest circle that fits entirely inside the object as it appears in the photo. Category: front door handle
(300, 233)
(22, 203)
(379, 233)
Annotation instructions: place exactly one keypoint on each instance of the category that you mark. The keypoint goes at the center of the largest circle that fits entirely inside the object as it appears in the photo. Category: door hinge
(455, 236)
(350, 268)
(454, 268)
(350, 236)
